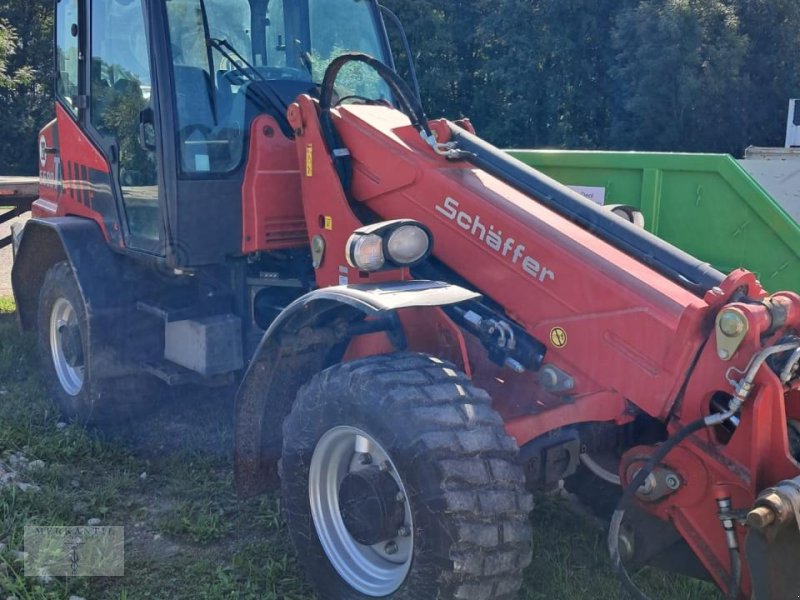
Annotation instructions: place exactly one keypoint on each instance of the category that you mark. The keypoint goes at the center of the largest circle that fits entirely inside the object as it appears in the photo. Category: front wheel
(69, 362)
(399, 481)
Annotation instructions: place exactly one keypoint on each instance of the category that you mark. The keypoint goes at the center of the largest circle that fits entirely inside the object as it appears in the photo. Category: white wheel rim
(368, 569)
(70, 377)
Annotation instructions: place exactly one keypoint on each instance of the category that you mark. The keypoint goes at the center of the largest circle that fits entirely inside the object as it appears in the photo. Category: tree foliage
(680, 75)
(678, 70)
(676, 75)
(10, 80)
(26, 67)
(549, 73)
(772, 66)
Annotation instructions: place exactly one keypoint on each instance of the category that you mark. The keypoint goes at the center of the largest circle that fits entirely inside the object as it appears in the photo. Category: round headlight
(407, 245)
(365, 252)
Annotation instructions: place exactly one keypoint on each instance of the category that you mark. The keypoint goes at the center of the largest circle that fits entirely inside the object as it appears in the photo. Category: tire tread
(481, 489)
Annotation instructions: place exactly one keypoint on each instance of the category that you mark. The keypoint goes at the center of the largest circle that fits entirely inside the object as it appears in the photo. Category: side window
(120, 72)
(120, 86)
(67, 53)
(210, 91)
(276, 34)
(339, 27)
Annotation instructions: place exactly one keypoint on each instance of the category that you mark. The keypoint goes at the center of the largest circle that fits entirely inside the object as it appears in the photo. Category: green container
(705, 204)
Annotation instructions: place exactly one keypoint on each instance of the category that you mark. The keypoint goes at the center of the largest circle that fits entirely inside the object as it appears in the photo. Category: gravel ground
(5, 257)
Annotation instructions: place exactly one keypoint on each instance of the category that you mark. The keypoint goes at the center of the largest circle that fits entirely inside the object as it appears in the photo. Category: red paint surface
(634, 337)
(272, 206)
(71, 194)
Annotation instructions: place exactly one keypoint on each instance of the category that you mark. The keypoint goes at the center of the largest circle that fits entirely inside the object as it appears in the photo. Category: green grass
(6, 306)
(571, 562)
(169, 482)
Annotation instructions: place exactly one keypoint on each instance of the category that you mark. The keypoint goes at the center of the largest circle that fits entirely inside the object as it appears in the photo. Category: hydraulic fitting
(776, 506)
(731, 328)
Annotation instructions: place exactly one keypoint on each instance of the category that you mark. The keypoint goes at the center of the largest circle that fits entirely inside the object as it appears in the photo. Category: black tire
(99, 401)
(467, 496)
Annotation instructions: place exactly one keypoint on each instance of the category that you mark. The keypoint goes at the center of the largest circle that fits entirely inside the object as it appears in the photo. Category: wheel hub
(72, 344)
(371, 505)
(353, 501)
(66, 346)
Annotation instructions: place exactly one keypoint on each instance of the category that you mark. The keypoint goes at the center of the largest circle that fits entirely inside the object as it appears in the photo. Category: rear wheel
(399, 481)
(69, 364)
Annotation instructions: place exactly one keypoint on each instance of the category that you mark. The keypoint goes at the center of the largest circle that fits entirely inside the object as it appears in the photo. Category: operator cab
(232, 60)
(168, 95)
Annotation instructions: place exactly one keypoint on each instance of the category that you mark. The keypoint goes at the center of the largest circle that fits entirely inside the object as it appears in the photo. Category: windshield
(233, 59)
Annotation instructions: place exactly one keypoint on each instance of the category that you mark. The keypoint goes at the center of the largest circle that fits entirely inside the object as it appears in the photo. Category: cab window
(231, 59)
(67, 53)
(120, 90)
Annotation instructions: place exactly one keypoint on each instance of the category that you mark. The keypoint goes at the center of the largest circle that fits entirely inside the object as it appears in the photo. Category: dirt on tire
(468, 497)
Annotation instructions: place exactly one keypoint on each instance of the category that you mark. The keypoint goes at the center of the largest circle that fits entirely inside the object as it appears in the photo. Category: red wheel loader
(423, 330)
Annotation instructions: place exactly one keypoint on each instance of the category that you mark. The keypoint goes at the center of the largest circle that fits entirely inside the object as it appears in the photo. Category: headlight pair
(389, 245)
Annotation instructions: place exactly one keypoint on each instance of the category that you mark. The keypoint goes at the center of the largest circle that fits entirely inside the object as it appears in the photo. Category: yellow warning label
(309, 161)
(329, 223)
(558, 337)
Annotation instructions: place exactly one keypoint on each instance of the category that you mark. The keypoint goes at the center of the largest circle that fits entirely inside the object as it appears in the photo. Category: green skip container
(705, 204)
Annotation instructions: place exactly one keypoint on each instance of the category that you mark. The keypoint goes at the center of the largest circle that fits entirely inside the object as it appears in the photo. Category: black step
(174, 375)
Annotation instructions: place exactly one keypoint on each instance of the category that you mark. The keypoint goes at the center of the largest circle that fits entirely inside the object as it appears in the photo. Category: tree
(772, 65)
(547, 72)
(8, 47)
(448, 47)
(26, 106)
(678, 77)
(694, 75)
(510, 109)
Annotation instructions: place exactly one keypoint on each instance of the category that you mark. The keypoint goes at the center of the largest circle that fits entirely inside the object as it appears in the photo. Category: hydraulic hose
(412, 69)
(627, 496)
(736, 573)
(406, 98)
(687, 271)
(742, 390)
(598, 471)
(404, 94)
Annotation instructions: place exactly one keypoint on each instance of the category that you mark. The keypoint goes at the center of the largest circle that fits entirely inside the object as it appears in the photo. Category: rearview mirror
(147, 130)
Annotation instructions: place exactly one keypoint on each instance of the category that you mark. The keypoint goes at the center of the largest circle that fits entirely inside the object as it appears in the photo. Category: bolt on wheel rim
(69, 376)
(376, 570)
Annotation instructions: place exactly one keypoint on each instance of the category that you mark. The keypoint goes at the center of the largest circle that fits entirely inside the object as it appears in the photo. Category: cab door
(121, 110)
